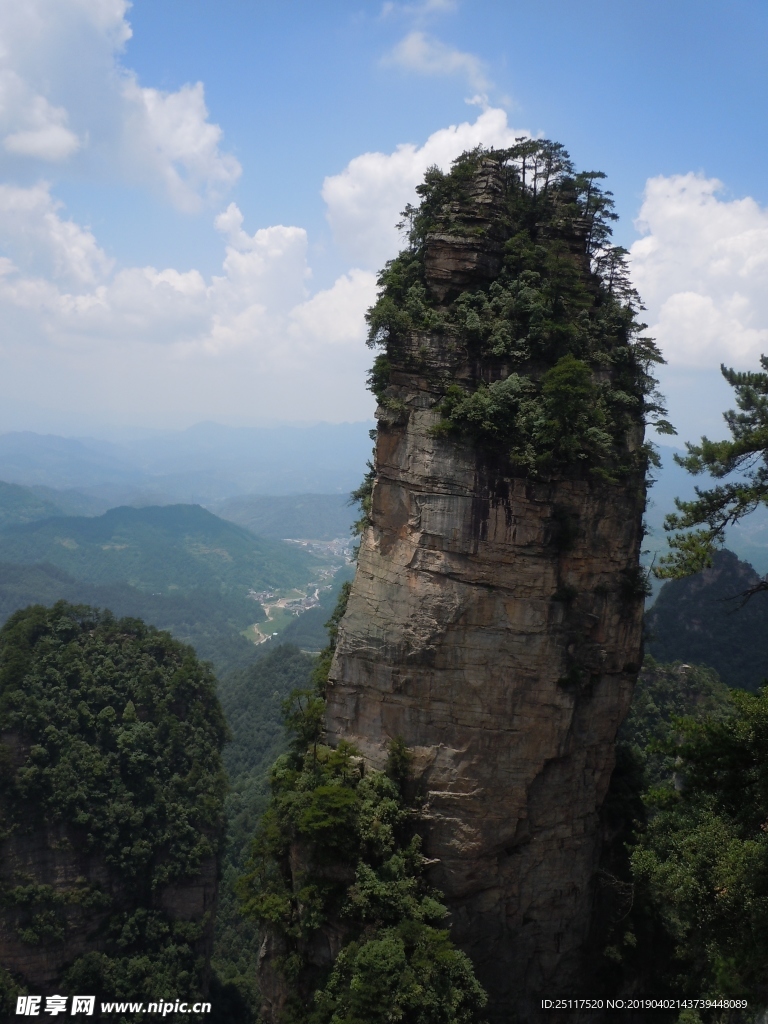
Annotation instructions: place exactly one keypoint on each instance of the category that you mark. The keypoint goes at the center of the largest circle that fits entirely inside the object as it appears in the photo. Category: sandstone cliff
(495, 618)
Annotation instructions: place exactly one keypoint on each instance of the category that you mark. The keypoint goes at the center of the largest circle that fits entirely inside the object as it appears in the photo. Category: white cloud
(45, 244)
(65, 97)
(41, 129)
(425, 55)
(364, 201)
(160, 343)
(167, 138)
(700, 268)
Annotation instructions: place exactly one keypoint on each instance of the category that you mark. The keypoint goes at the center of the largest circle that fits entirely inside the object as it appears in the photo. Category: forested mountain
(180, 568)
(175, 548)
(212, 622)
(111, 809)
(705, 619)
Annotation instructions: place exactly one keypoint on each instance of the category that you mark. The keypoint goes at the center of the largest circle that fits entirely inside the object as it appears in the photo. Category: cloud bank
(365, 200)
(700, 267)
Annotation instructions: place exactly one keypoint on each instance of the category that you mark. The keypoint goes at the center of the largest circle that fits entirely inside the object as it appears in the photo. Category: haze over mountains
(204, 464)
(238, 472)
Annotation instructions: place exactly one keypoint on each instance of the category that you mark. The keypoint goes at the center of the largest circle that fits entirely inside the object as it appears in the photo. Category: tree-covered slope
(111, 807)
(704, 619)
(252, 698)
(174, 548)
(208, 620)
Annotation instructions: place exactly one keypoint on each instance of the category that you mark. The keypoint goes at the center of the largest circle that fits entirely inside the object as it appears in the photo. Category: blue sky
(195, 195)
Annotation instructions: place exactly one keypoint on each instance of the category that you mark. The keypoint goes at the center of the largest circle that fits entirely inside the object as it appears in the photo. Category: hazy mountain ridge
(22, 505)
(204, 464)
(309, 516)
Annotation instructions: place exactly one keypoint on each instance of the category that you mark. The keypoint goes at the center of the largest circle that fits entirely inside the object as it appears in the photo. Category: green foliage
(252, 698)
(148, 955)
(117, 733)
(409, 972)
(558, 325)
(704, 855)
(362, 496)
(665, 693)
(635, 948)
(562, 422)
(338, 845)
(714, 510)
(121, 731)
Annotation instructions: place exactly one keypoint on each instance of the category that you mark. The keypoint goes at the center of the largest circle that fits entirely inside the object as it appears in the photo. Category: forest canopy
(112, 738)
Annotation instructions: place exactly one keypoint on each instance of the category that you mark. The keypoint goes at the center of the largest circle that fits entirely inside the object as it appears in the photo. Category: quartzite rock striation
(494, 624)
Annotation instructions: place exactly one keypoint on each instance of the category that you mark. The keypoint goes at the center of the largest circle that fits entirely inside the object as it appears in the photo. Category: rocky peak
(494, 623)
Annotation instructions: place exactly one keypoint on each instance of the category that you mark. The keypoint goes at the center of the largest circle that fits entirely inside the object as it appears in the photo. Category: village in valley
(282, 607)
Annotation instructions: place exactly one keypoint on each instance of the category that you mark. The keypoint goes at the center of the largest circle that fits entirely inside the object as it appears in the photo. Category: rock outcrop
(495, 625)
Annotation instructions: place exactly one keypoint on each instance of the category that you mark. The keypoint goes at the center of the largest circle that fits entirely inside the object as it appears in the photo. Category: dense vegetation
(115, 735)
(557, 327)
(252, 699)
(210, 621)
(704, 857)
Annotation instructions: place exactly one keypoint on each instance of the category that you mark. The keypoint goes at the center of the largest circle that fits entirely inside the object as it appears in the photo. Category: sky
(196, 195)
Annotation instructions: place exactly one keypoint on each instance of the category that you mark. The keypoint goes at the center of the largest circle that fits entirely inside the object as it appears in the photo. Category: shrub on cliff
(112, 755)
(338, 849)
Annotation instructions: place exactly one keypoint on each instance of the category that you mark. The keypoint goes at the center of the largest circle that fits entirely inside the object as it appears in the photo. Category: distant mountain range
(206, 463)
(173, 548)
(308, 516)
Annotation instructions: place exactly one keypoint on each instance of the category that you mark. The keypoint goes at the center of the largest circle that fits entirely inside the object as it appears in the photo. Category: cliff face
(495, 625)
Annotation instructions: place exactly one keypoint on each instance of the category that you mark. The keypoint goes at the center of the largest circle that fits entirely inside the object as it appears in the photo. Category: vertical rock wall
(495, 625)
